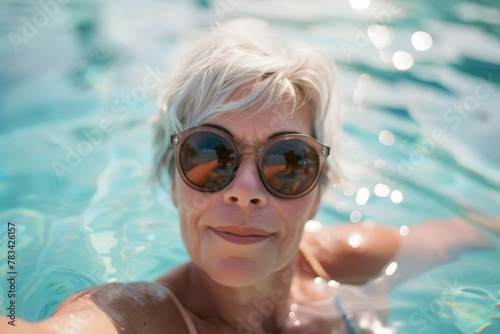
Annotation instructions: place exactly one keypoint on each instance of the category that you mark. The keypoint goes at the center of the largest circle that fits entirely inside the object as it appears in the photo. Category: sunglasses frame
(322, 150)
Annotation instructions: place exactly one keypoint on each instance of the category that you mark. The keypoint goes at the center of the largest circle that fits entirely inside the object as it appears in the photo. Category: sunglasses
(289, 165)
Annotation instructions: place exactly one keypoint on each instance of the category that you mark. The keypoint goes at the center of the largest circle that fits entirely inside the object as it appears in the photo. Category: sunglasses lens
(290, 167)
(208, 160)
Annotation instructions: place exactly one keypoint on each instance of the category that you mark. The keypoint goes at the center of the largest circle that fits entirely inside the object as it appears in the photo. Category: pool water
(78, 84)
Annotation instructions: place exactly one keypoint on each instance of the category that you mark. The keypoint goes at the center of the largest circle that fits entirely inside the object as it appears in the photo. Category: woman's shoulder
(141, 307)
(348, 253)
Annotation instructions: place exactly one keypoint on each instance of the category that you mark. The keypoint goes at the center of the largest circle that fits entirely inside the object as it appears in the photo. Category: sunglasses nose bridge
(249, 150)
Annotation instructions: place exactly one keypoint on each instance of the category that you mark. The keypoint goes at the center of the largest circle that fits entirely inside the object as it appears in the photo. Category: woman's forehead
(254, 125)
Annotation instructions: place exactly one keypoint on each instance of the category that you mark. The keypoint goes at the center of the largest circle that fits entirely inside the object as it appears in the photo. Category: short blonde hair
(238, 53)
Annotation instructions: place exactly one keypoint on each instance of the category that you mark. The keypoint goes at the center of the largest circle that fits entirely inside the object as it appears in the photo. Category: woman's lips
(237, 235)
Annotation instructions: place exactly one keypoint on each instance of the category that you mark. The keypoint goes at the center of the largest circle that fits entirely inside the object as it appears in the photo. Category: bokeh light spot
(421, 40)
(402, 60)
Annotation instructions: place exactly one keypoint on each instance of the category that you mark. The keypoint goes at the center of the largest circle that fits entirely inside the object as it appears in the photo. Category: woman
(245, 128)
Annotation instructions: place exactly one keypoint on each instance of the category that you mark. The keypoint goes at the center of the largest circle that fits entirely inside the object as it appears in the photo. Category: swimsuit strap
(349, 327)
(185, 315)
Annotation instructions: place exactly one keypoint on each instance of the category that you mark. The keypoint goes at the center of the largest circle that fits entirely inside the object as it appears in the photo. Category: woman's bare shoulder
(143, 307)
(354, 254)
(351, 254)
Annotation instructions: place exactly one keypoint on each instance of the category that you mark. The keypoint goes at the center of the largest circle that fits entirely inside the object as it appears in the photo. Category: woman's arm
(351, 253)
(75, 316)
(110, 309)
(434, 243)
(354, 254)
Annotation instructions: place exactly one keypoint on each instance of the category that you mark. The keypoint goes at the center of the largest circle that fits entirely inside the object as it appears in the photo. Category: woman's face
(215, 226)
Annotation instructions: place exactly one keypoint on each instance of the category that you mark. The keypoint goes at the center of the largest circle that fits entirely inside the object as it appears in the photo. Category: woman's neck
(264, 306)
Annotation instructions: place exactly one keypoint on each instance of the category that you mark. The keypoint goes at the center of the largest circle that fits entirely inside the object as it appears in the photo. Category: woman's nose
(246, 188)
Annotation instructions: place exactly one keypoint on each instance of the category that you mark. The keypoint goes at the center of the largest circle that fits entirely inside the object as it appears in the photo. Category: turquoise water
(77, 93)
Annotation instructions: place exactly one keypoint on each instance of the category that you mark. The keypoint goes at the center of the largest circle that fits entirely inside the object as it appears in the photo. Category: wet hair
(243, 53)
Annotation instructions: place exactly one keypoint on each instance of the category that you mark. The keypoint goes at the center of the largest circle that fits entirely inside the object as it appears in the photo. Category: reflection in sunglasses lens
(290, 167)
(207, 160)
